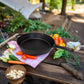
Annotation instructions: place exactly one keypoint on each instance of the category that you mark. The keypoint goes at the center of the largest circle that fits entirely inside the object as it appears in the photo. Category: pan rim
(39, 50)
(44, 50)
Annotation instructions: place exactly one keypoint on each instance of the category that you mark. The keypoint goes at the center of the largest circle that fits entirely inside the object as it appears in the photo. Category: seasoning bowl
(17, 68)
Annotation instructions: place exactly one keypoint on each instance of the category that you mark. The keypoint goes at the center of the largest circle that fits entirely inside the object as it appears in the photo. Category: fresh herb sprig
(69, 57)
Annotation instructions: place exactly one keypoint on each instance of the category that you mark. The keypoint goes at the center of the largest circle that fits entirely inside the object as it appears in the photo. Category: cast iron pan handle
(65, 48)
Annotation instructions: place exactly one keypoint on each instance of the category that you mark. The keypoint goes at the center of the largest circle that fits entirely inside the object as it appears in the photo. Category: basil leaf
(58, 54)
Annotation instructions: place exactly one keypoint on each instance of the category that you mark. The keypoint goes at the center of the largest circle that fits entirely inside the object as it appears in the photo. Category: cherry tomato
(56, 42)
(60, 40)
(62, 44)
(51, 36)
(19, 53)
(56, 38)
(56, 35)
(24, 57)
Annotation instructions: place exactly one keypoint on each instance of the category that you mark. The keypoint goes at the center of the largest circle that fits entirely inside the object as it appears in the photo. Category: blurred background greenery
(57, 4)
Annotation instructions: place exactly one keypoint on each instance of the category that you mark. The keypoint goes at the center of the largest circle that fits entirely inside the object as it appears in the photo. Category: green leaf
(65, 53)
(76, 58)
(74, 38)
(13, 30)
(25, 29)
(28, 31)
(58, 54)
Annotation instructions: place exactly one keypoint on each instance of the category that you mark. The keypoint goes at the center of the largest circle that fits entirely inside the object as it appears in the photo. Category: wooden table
(50, 71)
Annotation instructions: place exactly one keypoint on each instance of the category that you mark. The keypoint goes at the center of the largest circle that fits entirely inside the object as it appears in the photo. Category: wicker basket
(18, 80)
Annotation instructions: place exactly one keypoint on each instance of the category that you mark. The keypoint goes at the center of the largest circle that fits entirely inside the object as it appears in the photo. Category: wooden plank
(50, 72)
(4, 65)
(50, 59)
(54, 73)
(6, 41)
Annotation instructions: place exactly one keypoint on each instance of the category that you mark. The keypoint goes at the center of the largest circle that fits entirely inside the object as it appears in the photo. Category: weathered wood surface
(9, 39)
(49, 71)
(54, 73)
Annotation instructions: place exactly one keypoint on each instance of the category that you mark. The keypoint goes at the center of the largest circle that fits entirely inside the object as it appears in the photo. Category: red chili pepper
(19, 53)
(24, 57)
(31, 57)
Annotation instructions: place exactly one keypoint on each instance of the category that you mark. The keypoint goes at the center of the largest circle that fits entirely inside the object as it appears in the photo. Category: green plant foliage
(36, 25)
(29, 25)
(1, 40)
(17, 22)
(55, 4)
(52, 32)
(58, 53)
(62, 33)
(5, 11)
(74, 38)
(1, 4)
(6, 30)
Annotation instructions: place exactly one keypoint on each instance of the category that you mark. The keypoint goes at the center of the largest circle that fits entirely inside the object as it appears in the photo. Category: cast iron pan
(37, 43)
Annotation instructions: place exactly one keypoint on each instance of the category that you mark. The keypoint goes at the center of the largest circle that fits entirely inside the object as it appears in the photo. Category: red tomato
(56, 38)
(60, 40)
(24, 57)
(57, 42)
(62, 44)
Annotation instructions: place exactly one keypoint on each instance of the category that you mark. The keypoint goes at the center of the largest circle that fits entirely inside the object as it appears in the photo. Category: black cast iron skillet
(37, 43)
